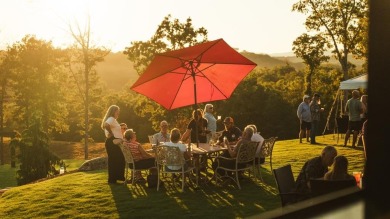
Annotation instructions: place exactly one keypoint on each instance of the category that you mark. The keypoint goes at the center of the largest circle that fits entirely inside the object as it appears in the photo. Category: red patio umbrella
(202, 73)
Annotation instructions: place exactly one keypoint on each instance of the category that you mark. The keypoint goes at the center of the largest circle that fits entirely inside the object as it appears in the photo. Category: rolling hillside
(117, 71)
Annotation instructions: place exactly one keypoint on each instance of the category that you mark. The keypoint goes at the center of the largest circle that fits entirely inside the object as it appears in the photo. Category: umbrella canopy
(202, 73)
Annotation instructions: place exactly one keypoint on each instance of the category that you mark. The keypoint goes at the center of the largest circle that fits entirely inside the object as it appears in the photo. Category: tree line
(61, 89)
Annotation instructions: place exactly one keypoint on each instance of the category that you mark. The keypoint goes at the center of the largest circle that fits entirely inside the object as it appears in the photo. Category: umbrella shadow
(204, 201)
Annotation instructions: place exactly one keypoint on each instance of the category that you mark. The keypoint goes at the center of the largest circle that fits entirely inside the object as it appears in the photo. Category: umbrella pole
(196, 103)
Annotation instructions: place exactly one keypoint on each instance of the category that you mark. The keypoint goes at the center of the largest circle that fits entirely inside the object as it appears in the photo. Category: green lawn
(87, 195)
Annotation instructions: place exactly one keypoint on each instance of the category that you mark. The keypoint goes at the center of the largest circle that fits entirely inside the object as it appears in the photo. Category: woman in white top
(175, 137)
(112, 130)
(211, 120)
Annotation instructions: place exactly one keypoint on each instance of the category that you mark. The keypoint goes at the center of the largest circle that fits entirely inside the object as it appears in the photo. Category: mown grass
(87, 194)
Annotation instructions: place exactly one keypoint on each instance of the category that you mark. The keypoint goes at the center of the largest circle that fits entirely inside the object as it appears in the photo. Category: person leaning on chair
(112, 130)
(163, 135)
(304, 116)
(315, 168)
(354, 109)
(142, 159)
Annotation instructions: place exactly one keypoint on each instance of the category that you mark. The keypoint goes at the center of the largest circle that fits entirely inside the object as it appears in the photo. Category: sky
(259, 26)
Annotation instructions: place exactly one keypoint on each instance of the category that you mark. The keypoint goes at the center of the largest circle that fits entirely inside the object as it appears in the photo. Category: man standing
(354, 109)
(304, 116)
(315, 111)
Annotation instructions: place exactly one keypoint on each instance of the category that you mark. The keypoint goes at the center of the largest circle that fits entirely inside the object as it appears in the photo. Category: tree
(311, 49)
(339, 23)
(37, 78)
(85, 56)
(35, 141)
(170, 35)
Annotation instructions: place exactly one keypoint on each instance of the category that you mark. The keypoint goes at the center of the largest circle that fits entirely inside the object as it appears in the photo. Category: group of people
(318, 168)
(309, 115)
(357, 110)
(203, 122)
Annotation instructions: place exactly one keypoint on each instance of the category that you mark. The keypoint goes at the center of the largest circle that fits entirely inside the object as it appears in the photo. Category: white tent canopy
(354, 83)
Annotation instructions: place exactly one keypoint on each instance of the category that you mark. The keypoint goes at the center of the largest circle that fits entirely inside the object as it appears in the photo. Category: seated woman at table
(232, 151)
(231, 132)
(339, 169)
(141, 158)
(175, 137)
(197, 122)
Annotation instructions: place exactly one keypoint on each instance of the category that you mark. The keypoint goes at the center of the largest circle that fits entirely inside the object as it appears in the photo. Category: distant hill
(117, 71)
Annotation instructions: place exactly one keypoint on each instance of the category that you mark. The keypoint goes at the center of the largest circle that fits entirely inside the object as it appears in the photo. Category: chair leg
(182, 182)
(237, 180)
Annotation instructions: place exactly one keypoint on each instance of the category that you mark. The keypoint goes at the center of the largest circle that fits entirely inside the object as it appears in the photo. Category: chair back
(247, 152)
(321, 187)
(169, 156)
(127, 154)
(268, 147)
(285, 182)
(151, 139)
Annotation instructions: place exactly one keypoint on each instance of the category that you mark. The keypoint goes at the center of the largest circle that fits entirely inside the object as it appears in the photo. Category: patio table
(207, 152)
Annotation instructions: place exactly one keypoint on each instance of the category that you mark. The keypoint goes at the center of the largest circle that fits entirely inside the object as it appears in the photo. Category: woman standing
(197, 123)
(211, 121)
(112, 130)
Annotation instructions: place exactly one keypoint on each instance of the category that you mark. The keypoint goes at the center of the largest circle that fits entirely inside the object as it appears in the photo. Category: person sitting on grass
(339, 169)
(142, 159)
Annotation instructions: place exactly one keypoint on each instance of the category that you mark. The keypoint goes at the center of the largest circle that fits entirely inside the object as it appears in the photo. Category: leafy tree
(84, 58)
(36, 160)
(37, 84)
(339, 22)
(170, 35)
(311, 49)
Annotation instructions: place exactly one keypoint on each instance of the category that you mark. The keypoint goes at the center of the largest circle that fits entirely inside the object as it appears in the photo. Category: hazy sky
(260, 26)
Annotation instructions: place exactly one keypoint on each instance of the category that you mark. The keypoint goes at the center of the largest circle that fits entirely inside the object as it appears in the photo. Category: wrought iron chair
(286, 185)
(245, 160)
(265, 151)
(130, 164)
(171, 156)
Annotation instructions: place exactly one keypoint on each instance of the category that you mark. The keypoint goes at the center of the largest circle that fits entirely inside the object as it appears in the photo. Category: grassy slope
(86, 194)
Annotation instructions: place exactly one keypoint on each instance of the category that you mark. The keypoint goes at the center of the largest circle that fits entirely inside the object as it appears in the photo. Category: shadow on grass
(206, 201)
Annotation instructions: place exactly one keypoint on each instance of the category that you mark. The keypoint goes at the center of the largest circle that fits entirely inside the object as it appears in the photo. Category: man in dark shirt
(231, 132)
(315, 168)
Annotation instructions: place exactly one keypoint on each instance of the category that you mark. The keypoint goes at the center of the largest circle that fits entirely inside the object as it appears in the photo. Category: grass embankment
(87, 194)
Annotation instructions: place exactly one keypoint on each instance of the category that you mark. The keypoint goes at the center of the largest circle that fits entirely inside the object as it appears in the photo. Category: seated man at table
(231, 132)
(175, 137)
(163, 135)
(233, 150)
